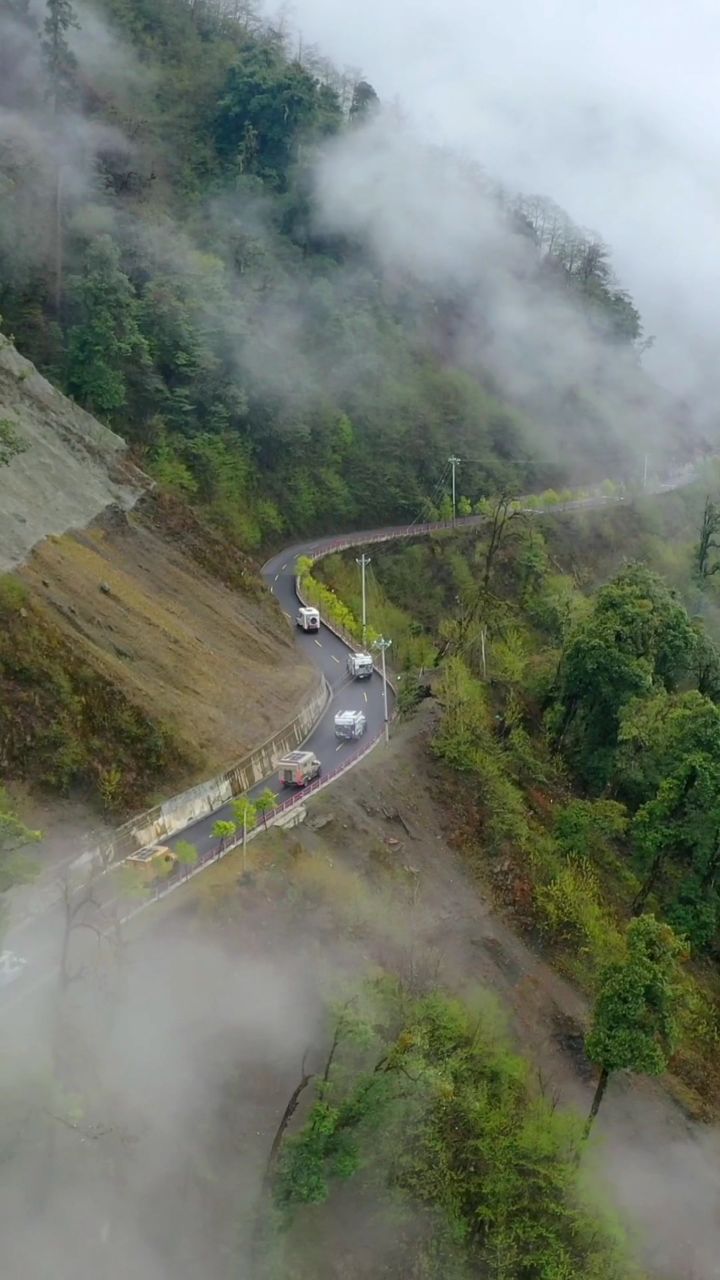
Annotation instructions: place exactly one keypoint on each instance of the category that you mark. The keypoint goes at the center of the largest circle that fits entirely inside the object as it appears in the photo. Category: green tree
(637, 637)
(15, 866)
(582, 828)
(61, 67)
(186, 853)
(657, 734)
(245, 813)
(680, 829)
(424, 1098)
(265, 802)
(60, 60)
(365, 101)
(706, 664)
(223, 830)
(105, 337)
(267, 107)
(635, 1019)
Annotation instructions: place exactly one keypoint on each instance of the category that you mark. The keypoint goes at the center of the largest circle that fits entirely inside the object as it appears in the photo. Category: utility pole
(382, 645)
(364, 561)
(454, 462)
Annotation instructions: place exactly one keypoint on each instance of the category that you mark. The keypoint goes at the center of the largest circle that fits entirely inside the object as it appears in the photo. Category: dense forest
(579, 702)
(170, 258)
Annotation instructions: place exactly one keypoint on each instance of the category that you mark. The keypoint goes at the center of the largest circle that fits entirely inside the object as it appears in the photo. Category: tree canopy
(173, 274)
(422, 1104)
(638, 638)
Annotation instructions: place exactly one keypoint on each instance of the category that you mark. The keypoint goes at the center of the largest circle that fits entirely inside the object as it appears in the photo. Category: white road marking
(272, 591)
(340, 746)
(277, 575)
(318, 644)
(364, 695)
(332, 655)
(283, 568)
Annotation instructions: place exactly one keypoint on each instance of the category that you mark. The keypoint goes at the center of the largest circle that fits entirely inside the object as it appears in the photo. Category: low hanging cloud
(430, 216)
(608, 109)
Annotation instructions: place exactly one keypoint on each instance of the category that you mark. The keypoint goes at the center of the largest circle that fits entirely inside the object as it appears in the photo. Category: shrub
(13, 594)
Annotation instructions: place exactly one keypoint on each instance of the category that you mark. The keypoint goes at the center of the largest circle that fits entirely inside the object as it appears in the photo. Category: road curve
(327, 652)
(39, 938)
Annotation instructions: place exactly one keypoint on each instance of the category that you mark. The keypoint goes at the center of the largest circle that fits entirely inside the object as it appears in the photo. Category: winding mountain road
(39, 937)
(327, 652)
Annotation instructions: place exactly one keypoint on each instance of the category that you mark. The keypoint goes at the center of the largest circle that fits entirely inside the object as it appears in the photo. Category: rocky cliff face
(70, 466)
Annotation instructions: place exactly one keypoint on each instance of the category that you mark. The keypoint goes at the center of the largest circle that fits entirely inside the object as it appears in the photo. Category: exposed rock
(66, 474)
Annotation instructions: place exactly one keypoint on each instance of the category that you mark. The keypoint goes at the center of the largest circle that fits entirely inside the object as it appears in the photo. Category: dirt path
(663, 1170)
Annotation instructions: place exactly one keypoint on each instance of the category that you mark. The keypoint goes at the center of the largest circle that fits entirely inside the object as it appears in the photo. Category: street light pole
(382, 645)
(454, 462)
(364, 561)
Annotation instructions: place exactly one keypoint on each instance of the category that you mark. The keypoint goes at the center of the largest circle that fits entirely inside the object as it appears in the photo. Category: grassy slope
(140, 654)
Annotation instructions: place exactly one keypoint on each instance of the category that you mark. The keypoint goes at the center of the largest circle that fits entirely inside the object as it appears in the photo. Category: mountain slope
(67, 467)
(138, 649)
(250, 275)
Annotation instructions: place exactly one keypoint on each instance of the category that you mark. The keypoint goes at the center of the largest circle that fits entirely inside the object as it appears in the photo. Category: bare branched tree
(708, 542)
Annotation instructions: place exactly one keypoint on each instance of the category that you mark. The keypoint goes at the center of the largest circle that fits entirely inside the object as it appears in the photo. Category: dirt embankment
(139, 651)
(179, 623)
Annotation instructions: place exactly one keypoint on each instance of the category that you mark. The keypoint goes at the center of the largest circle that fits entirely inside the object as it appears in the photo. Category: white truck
(298, 768)
(350, 724)
(360, 665)
(308, 619)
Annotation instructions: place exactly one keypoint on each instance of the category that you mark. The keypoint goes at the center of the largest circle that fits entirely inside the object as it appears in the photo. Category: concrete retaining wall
(176, 813)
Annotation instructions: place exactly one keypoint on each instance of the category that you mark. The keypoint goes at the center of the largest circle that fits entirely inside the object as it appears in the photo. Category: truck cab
(308, 619)
(360, 665)
(298, 768)
(350, 724)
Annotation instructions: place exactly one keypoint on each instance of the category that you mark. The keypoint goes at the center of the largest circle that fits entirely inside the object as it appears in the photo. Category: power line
(363, 562)
(436, 494)
(382, 645)
(454, 462)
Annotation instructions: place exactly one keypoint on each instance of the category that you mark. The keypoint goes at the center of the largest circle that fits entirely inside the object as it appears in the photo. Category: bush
(583, 827)
(410, 692)
(13, 594)
(572, 916)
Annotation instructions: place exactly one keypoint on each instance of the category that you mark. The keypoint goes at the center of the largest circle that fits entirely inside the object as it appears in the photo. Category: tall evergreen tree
(59, 57)
(61, 64)
(106, 335)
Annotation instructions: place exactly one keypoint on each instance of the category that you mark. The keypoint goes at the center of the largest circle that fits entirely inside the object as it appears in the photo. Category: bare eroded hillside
(163, 609)
(130, 601)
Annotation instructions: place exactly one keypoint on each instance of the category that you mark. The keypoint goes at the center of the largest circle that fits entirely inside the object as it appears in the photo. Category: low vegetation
(63, 725)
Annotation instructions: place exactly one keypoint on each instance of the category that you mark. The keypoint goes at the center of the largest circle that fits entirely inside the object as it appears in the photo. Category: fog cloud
(608, 109)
